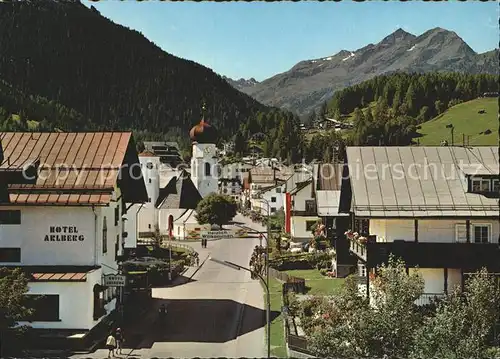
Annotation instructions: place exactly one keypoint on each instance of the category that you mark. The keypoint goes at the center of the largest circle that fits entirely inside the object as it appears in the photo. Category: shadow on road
(202, 320)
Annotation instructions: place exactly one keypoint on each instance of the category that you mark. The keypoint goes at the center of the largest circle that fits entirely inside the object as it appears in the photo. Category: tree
(462, 323)
(216, 209)
(353, 327)
(13, 288)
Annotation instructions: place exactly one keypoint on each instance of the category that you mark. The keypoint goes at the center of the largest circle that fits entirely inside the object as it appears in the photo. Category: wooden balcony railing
(469, 256)
(358, 249)
(428, 298)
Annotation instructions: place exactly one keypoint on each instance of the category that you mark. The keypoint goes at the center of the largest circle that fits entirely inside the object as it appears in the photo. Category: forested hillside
(388, 109)
(114, 76)
(22, 112)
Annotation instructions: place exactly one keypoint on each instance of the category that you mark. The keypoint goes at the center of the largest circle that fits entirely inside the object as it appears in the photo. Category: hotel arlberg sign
(63, 234)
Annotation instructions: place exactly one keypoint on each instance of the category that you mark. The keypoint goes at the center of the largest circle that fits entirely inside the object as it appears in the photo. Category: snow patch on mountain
(348, 57)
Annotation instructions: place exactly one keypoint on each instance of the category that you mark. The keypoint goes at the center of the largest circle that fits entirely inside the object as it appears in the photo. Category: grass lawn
(467, 121)
(278, 344)
(318, 284)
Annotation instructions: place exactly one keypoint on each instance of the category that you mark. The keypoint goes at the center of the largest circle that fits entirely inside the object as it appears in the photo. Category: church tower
(204, 166)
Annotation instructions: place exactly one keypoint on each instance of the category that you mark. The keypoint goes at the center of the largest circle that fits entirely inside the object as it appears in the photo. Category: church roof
(180, 192)
(203, 133)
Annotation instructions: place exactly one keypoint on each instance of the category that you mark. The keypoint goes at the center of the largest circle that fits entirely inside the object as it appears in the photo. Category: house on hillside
(327, 183)
(434, 207)
(62, 213)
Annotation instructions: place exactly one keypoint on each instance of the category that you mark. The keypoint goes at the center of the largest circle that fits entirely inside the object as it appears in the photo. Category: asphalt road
(220, 313)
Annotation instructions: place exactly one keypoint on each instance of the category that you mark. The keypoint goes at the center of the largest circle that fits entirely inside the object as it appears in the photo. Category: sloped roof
(329, 176)
(180, 192)
(73, 168)
(418, 181)
(266, 174)
(296, 179)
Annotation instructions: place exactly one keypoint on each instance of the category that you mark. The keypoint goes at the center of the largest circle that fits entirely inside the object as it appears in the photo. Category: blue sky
(259, 40)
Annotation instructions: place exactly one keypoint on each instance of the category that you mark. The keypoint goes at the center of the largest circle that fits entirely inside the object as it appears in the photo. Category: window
(273, 199)
(362, 270)
(99, 301)
(310, 205)
(362, 226)
(481, 185)
(10, 217)
(481, 233)
(149, 226)
(496, 186)
(117, 246)
(149, 165)
(207, 169)
(149, 180)
(104, 236)
(45, 307)
(278, 189)
(273, 210)
(485, 185)
(117, 215)
(10, 255)
(461, 233)
(233, 191)
(309, 225)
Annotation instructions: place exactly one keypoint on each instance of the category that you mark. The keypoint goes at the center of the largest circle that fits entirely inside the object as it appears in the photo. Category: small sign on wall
(114, 280)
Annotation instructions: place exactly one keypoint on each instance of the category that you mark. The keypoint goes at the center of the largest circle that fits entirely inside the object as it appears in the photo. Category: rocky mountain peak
(397, 36)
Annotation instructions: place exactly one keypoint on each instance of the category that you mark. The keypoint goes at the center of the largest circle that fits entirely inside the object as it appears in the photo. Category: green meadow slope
(466, 120)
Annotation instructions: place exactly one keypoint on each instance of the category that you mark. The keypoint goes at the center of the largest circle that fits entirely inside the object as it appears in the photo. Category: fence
(167, 244)
(294, 342)
(296, 284)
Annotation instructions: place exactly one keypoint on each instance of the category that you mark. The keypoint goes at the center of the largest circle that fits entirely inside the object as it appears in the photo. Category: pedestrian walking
(111, 345)
(197, 261)
(119, 340)
(162, 314)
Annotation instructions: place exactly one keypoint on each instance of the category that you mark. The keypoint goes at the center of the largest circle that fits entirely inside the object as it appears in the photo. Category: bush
(323, 271)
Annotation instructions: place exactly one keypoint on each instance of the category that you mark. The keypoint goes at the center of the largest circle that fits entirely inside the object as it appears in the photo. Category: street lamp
(268, 306)
(267, 247)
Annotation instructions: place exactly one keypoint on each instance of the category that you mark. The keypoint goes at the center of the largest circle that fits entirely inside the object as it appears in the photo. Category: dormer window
(496, 185)
(483, 184)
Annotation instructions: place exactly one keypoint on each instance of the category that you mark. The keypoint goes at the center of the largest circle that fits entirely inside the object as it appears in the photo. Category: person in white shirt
(111, 345)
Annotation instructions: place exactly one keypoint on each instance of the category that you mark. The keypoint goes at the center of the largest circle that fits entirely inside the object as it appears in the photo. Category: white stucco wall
(75, 304)
(131, 226)
(36, 225)
(204, 153)
(261, 204)
(76, 301)
(298, 226)
(299, 198)
(429, 230)
(163, 218)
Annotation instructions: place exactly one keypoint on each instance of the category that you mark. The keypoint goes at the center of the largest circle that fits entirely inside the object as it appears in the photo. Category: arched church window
(207, 169)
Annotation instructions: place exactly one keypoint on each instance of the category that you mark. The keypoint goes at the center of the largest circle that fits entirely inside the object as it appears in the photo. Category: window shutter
(461, 233)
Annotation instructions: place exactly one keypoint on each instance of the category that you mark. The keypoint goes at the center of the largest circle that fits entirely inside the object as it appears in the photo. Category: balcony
(358, 248)
(428, 298)
(468, 256)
